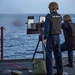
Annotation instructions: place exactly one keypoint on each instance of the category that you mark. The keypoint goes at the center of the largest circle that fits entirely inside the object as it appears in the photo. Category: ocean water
(17, 43)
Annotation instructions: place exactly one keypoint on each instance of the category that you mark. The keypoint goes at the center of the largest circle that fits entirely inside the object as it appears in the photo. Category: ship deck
(24, 66)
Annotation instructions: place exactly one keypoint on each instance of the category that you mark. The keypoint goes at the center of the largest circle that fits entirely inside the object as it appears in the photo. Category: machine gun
(36, 28)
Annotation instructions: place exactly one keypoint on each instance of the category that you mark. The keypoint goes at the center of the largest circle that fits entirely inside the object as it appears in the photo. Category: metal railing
(1, 42)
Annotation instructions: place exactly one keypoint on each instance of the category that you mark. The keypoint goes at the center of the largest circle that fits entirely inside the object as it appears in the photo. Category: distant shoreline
(33, 13)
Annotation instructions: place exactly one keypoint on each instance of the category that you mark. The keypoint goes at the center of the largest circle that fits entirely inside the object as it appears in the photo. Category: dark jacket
(69, 40)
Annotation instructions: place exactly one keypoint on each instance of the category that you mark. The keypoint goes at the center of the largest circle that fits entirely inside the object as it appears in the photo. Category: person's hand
(44, 42)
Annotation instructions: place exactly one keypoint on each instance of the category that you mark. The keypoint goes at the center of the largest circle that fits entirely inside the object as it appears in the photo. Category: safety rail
(1, 42)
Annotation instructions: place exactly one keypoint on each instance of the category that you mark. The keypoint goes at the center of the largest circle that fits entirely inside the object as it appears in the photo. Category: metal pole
(1, 43)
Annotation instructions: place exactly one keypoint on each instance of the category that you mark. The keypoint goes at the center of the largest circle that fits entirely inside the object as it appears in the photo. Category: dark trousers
(53, 45)
(64, 47)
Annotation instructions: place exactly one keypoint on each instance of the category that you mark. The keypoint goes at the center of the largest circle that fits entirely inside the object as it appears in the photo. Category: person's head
(67, 18)
(53, 6)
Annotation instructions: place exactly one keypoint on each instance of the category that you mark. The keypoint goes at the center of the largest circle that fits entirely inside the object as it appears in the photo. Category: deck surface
(7, 67)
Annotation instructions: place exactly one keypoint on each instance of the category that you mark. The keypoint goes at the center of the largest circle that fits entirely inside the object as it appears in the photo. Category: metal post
(1, 43)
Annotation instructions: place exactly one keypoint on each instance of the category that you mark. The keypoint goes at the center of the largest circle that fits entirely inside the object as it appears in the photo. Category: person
(52, 29)
(69, 33)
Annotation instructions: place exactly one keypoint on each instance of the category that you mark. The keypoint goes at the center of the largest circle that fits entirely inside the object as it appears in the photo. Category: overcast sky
(35, 6)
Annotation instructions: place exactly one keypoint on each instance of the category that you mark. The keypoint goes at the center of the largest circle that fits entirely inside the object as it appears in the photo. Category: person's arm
(46, 28)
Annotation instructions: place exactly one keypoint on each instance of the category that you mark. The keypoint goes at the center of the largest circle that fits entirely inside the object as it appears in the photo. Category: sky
(35, 6)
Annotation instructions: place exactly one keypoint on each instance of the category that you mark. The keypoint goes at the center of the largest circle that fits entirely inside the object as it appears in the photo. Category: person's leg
(49, 66)
(70, 57)
(58, 59)
(63, 47)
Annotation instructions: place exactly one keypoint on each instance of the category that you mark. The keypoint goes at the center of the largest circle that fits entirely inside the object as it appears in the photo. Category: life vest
(72, 27)
(55, 23)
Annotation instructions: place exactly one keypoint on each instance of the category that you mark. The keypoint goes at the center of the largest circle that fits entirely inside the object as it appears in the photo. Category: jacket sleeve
(46, 26)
